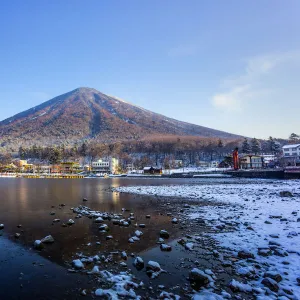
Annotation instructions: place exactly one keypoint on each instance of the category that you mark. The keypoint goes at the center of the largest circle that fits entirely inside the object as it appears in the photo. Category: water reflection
(30, 201)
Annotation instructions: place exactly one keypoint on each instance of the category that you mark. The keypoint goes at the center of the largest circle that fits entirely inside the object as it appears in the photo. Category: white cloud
(256, 82)
(231, 100)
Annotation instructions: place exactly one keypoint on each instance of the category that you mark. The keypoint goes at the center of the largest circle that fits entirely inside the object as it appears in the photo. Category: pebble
(164, 234)
(245, 254)
(139, 263)
(271, 284)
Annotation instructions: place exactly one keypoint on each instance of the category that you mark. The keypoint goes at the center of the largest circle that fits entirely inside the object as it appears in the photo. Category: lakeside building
(251, 162)
(152, 170)
(291, 155)
(103, 167)
(292, 150)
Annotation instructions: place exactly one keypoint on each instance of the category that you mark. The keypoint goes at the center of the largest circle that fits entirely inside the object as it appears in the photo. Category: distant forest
(156, 150)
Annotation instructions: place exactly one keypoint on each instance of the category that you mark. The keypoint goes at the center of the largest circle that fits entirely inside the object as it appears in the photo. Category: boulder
(199, 277)
(77, 264)
(164, 234)
(138, 263)
(70, 222)
(245, 254)
(271, 284)
(165, 247)
(285, 194)
(47, 239)
(274, 275)
(38, 245)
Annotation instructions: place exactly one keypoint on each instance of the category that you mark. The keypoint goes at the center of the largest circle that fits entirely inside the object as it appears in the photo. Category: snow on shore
(258, 218)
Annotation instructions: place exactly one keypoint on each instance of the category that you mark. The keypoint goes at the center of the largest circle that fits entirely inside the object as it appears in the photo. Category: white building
(109, 166)
(291, 151)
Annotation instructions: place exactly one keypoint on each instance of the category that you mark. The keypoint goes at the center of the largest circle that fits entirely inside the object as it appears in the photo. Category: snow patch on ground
(252, 217)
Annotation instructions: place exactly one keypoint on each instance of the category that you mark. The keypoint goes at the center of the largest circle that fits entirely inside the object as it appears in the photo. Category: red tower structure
(236, 159)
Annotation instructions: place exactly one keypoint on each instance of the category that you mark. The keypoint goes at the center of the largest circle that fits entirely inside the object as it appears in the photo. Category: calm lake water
(29, 202)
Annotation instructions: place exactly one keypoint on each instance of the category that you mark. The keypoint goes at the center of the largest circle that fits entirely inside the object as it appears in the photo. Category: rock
(165, 247)
(189, 246)
(285, 194)
(77, 264)
(274, 275)
(160, 241)
(280, 252)
(17, 235)
(142, 225)
(84, 199)
(83, 293)
(153, 266)
(268, 222)
(95, 270)
(56, 220)
(104, 227)
(131, 240)
(123, 264)
(274, 243)
(70, 222)
(99, 220)
(292, 233)
(175, 221)
(237, 286)
(298, 280)
(138, 233)
(264, 252)
(199, 277)
(245, 254)
(181, 242)
(124, 255)
(1, 226)
(274, 236)
(164, 234)
(109, 237)
(48, 239)
(138, 263)
(38, 245)
(288, 291)
(148, 217)
(52, 213)
(19, 226)
(271, 284)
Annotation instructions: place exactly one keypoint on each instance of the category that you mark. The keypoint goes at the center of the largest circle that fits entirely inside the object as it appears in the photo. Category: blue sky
(229, 65)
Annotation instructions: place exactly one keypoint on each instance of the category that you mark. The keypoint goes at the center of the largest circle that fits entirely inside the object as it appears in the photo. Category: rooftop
(291, 146)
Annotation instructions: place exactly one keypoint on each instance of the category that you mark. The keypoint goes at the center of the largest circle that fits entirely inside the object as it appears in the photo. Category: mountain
(85, 114)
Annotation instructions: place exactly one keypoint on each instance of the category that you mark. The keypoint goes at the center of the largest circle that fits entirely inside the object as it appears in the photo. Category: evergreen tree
(83, 150)
(277, 147)
(22, 153)
(246, 148)
(255, 146)
(271, 144)
(294, 138)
